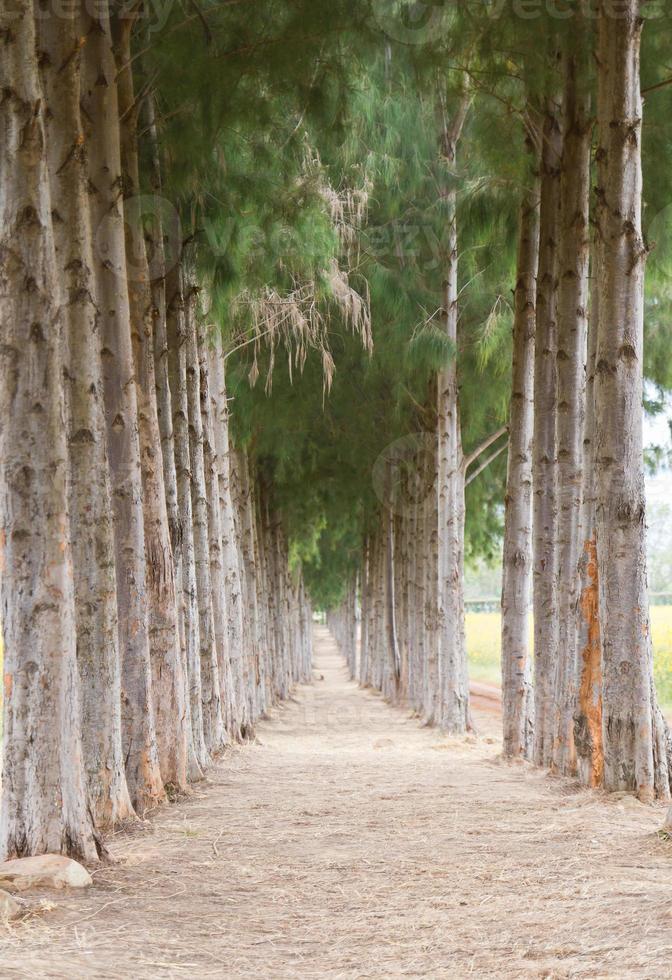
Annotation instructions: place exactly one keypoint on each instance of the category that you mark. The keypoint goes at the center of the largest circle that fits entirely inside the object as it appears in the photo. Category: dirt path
(349, 843)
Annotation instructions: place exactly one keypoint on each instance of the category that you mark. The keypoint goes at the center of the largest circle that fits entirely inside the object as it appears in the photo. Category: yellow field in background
(483, 646)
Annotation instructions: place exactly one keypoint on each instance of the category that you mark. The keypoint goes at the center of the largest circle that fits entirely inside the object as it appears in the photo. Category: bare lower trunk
(213, 720)
(230, 556)
(573, 259)
(89, 484)
(413, 601)
(364, 639)
(588, 715)
(401, 587)
(164, 640)
(266, 597)
(517, 695)
(44, 805)
(342, 623)
(100, 104)
(544, 454)
(177, 372)
(257, 640)
(453, 688)
(219, 613)
(164, 226)
(430, 674)
(634, 733)
(393, 664)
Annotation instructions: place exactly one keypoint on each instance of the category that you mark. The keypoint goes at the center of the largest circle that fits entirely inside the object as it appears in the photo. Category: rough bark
(213, 720)
(164, 639)
(517, 694)
(393, 661)
(572, 317)
(230, 556)
(101, 108)
(217, 580)
(248, 578)
(89, 484)
(365, 586)
(544, 507)
(634, 732)
(431, 588)
(163, 226)
(177, 373)
(43, 805)
(453, 706)
(342, 622)
(413, 600)
(588, 716)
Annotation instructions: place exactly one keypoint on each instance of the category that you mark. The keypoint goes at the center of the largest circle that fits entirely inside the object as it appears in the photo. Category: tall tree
(517, 694)
(588, 715)
(453, 683)
(44, 802)
(96, 620)
(544, 457)
(100, 103)
(633, 729)
(572, 319)
(164, 640)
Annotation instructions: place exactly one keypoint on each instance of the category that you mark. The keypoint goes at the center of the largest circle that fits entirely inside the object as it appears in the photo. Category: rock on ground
(45, 871)
(9, 907)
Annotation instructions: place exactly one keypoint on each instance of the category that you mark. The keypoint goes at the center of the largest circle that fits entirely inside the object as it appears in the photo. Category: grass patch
(484, 649)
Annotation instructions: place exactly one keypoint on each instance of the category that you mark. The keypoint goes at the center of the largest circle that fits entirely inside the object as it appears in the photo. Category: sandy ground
(350, 842)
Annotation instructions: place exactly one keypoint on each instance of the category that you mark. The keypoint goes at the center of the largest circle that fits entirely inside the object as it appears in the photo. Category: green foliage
(261, 108)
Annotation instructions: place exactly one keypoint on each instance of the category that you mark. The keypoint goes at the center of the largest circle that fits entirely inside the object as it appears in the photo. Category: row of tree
(189, 192)
(574, 523)
(150, 611)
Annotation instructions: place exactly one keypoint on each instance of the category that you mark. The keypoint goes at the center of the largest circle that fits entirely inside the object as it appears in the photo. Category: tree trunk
(89, 485)
(101, 108)
(517, 694)
(177, 373)
(230, 555)
(634, 732)
(164, 639)
(164, 225)
(573, 260)
(413, 596)
(44, 801)
(588, 717)
(431, 589)
(213, 721)
(217, 580)
(453, 688)
(393, 672)
(544, 505)
(256, 696)
(365, 587)
(379, 632)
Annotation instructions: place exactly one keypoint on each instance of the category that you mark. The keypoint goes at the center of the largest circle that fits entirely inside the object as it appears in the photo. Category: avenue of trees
(280, 285)
(582, 701)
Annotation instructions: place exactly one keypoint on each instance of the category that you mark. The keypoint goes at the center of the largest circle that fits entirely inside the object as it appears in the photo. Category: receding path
(351, 842)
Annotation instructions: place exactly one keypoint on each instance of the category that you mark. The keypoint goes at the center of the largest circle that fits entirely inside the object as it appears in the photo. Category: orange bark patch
(8, 684)
(590, 691)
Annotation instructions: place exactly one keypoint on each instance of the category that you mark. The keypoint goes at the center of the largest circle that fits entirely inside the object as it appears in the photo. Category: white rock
(45, 871)
(9, 907)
